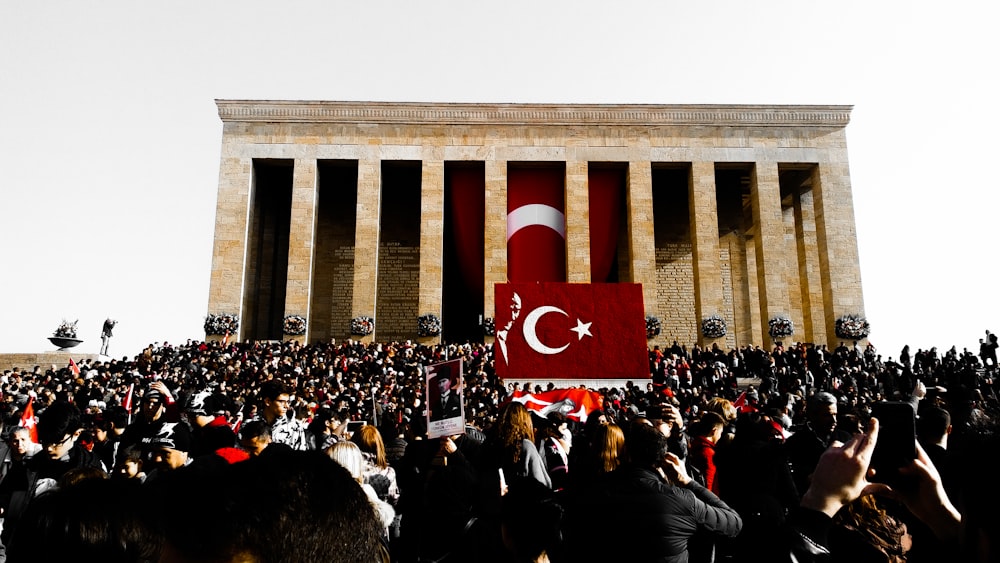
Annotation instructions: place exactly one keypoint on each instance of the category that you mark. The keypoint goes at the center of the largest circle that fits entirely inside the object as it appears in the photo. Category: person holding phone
(842, 475)
(666, 507)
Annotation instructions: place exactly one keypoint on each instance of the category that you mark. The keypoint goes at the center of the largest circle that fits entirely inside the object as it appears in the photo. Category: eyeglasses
(57, 444)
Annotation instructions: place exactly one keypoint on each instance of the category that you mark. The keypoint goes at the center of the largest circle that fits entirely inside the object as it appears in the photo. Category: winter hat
(195, 402)
(173, 435)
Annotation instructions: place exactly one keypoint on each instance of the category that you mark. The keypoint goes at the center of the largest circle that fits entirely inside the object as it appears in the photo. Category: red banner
(536, 225)
(570, 331)
(576, 404)
(607, 187)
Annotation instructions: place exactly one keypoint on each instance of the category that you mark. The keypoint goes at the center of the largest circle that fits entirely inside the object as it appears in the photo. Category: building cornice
(415, 113)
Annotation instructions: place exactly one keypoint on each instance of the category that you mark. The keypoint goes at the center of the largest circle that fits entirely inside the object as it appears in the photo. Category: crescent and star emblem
(531, 336)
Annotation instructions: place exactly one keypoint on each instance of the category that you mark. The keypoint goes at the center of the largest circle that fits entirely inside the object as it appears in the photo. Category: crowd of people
(279, 451)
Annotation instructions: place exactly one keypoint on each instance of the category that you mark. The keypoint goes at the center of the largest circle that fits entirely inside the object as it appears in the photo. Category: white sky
(110, 139)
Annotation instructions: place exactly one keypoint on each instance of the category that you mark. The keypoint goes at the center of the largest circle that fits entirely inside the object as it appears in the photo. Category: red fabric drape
(606, 187)
(536, 225)
(468, 201)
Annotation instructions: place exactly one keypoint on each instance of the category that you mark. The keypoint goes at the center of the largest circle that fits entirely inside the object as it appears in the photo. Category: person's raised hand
(841, 475)
(673, 470)
(922, 491)
(160, 386)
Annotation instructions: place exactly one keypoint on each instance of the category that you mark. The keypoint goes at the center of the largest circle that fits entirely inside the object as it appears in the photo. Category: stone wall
(27, 361)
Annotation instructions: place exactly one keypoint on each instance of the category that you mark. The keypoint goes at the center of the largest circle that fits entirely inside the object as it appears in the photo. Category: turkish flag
(570, 331)
(742, 405)
(28, 420)
(536, 224)
(575, 403)
(128, 399)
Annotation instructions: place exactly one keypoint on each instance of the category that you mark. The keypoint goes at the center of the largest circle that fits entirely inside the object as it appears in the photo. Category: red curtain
(468, 201)
(536, 224)
(606, 189)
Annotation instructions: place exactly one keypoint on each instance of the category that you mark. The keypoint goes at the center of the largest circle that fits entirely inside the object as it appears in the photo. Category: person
(129, 464)
(531, 522)
(19, 447)
(841, 476)
(286, 505)
(811, 438)
(377, 472)
(348, 455)
(326, 427)
(753, 477)
(988, 349)
(168, 449)
(59, 428)
(511, 446)
(106, 335)
(555, 444)
(92, 519)
(158, 407)
(255, 436)
(440, 491)
(109, 426)
(285, 427)
(210, 429)
(604, 455)
(666, 507)
(705, 433)
(449, 403)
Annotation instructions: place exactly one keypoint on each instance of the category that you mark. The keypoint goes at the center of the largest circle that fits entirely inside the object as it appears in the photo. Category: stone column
(301, 242)
(704, 214)
(232, 212)
(430, 292)
(366, 240)
(641, 239)
(577, 222)
(837, 240)
(769, 244)
(814, 329)
(495, 235)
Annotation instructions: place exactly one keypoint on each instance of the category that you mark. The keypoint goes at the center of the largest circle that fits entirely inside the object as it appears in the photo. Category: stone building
(330, 212)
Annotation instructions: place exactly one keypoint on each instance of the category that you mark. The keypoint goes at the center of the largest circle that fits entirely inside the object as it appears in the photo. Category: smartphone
(354, 425)
(897, 439)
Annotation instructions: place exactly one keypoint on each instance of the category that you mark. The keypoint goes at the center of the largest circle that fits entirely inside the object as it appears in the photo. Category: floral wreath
(220, 325)
(489, 326)
(428, 325)
(362, 326)
(294, 325)
(780, 326)
(853, 327)
(66, 329)
(713, 326)
(653, 326)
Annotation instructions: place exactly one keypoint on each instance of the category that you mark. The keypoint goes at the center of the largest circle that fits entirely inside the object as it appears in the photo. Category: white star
(582, 329)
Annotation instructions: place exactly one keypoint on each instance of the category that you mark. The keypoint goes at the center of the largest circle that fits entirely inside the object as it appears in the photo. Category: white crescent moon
(529, 329)
(536, 214)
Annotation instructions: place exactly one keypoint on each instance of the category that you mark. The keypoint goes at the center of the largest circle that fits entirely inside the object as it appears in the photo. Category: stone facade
(336, 210)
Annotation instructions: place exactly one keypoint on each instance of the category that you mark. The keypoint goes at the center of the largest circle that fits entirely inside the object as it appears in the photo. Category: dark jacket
(22, 483)
(651, 519)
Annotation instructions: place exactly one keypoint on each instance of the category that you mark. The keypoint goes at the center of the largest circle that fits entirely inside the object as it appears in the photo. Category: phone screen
(896, 446)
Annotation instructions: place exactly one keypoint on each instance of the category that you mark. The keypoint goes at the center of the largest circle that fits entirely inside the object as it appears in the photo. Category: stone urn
(64, 343)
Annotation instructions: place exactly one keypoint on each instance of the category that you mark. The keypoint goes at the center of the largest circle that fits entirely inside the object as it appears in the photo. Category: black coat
(651, 519)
